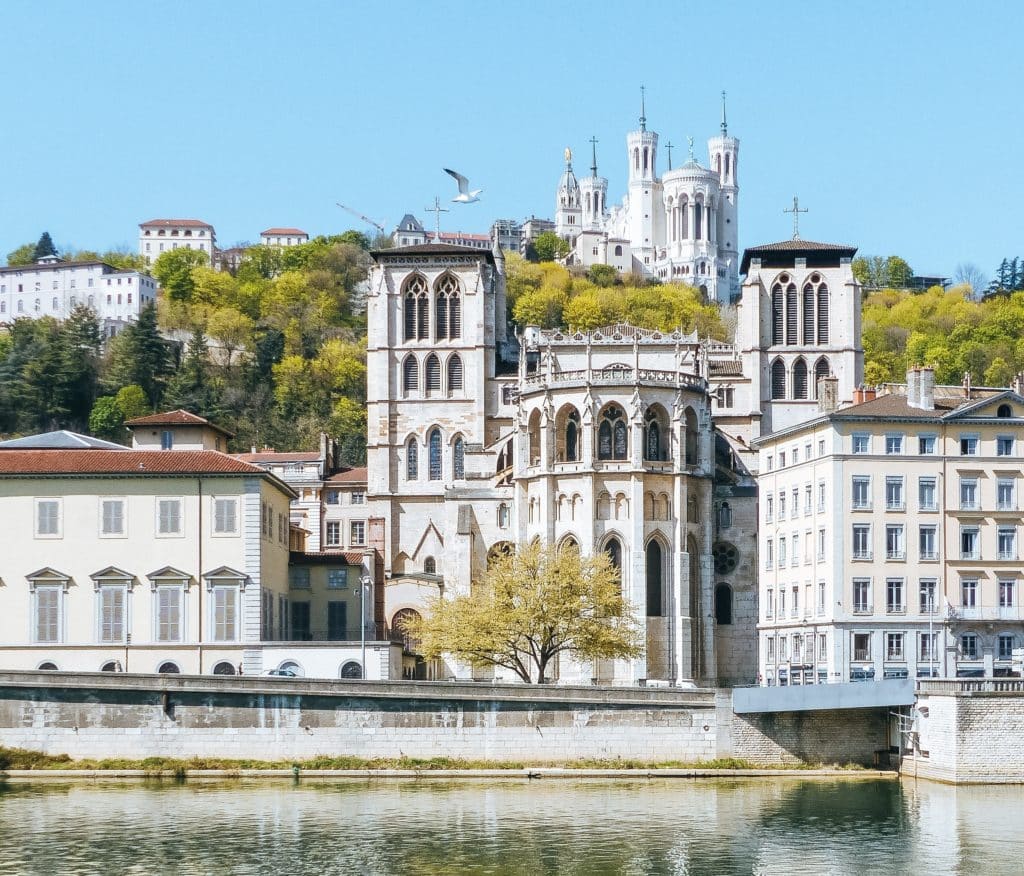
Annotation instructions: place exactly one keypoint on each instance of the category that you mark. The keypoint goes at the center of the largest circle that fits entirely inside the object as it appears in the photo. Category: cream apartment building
(890, 537)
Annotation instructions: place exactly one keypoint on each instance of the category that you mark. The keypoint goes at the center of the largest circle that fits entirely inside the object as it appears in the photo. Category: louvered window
(168, 613)
(778, 379)
(47, 620)
(808, 302)
(777, 317)
(454, 374)
(791, 315)
(799, 381)
(225, 516)
(823, 314)
(225, 613)
(410, 375)
(433, 369)
(112, 611)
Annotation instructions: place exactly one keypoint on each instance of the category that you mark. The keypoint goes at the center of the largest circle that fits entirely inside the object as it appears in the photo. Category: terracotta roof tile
(173, 418)
(122, 462)
(351, 476)
(168, 223)
(271, 456)
(353, 558)
(284, 231)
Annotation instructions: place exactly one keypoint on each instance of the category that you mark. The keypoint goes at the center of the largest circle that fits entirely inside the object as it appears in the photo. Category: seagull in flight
(465, 196)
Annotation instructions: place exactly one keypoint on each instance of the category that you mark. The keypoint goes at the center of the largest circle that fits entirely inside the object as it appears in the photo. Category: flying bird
(465, 196)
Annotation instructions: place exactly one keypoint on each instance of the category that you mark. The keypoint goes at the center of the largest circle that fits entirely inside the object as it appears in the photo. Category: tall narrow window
(410, 316)
(47, 613)
(433, 373)
(777, 314)
(112, 600)
(434, 455)
(800, 379)
(572, 437)
(654, 576)
(422, 317)
(410, 375)
(415, 308)
(225, 516)
(112, 517)
(823, 314)
(791, 315)
(169, 517)
(454, 374)
(225, 613)
(821, 369)
(441, 317)
(168, 613)
(411, 460)
(808, 314)
(459, 459)
(613, 547)
(778, 379)
(612, 438)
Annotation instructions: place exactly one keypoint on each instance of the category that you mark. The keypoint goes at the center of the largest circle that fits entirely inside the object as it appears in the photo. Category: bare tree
(969, 274)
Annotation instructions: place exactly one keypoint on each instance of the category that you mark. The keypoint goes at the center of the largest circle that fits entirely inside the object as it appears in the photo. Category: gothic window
(791, 315)
(800, 379)
(718, 164)
(410, 375)
(724, 516)
(433, 373)
(618, 249)
(777, 314)
(692, 513)
(503, 516)
(821, 369)
(725, 557)
(572, 437)
(645, 159)
(778, 379)
(613, 547)
(447, 308)
(655, 434)
(690, 421)
(459, 459)
(412, 467)
(823, 314)
(454, 374)
(429, 566)
(808, 314)
(441, 317)
(533, 429)
(723, 604)
(415, 308)
(636, 159)
(698, 217)
(726, 163)
(654, 568)
(612, 440)
(434, 455)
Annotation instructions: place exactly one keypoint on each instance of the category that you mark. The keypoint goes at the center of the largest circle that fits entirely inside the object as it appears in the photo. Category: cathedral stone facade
(679, 226)
(624, 440)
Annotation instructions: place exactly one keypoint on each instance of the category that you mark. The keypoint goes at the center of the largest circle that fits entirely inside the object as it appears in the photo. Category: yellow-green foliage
(548, 295)
(944, 329)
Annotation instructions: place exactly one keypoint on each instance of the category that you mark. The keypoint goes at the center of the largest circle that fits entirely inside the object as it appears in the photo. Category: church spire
(593, 165)
(643, 110)
(725, 124)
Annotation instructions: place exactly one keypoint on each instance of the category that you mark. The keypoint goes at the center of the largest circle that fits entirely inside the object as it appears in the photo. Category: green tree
(132, 401)
(355, 238)
(546, 247)
(232, 329)
(106, 419)
(603, 275)
(531, 605)
(139, 355)
(23, 255)
(173, 270)
(44, 247)
(348, 423)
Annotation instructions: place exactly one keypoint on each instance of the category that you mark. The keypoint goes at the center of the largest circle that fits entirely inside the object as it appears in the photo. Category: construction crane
(366, 219)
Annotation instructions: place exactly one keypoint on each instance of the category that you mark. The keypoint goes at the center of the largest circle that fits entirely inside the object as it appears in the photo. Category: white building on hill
(161, 235)
(52, 287)
(283, 237)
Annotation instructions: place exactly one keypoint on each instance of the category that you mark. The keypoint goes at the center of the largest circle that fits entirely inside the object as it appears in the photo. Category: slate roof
(59, 440)
(433, 249)
(783, 253)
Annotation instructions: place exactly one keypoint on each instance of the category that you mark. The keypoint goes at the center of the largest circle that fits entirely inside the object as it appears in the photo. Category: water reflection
(791, 826)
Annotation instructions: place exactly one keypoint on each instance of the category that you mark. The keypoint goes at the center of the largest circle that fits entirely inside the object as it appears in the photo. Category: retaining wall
(101, 715)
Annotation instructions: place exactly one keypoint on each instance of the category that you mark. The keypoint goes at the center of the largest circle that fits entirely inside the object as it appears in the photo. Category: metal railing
(350, 633)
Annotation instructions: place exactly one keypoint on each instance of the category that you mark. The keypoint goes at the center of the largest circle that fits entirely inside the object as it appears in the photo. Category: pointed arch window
(655, 433)
(723, 605)
(434, 455)
(459, 459)
(410, 375)
(572, 437)
(613, 547)
(777, 317)
(447, 308)
(800, 379)
(412, 460)
(415, 308)
(654, 569)
(433, 374)
(821, 369)
(454, 374)
(778, 379)
(612, 438)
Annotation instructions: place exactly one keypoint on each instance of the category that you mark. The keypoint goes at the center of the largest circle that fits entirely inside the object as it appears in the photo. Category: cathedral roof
(785, 252)
(568, 180)
(439, 249)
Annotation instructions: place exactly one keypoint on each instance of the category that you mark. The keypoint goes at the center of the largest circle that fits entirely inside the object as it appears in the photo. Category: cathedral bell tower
(724, 154)
(594, 194)
(646, 223)
(568, 214)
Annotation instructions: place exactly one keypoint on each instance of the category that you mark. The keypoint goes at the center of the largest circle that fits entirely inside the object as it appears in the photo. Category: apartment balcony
(896, 554)
(928, 556)
(896, 506)
(862, 555)
(986, 613)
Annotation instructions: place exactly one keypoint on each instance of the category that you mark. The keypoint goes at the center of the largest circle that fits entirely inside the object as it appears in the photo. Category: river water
(721, 826)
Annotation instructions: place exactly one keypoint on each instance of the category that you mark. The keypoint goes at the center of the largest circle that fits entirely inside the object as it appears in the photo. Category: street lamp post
(364, 583)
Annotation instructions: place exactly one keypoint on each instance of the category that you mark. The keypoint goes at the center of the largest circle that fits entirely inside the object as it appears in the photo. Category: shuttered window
(225, 516)
(47, 613)
(169, 516)
(454, 374)
(791, 315)
(112, 513)
(168, 613)
(48, 517)
(112, 601)
(433, 370)
(777, 314)
(225, 613)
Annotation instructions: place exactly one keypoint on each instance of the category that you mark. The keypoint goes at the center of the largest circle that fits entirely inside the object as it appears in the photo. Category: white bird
(465, 196)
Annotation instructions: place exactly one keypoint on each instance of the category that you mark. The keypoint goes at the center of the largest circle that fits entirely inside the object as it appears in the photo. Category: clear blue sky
(898, 124)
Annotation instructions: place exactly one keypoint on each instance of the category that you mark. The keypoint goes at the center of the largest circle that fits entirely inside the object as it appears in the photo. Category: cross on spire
(437, 210)
(668, 146)
(796, 210)
(689, 141)
(593, 147)
(725, 124)
(643, 109)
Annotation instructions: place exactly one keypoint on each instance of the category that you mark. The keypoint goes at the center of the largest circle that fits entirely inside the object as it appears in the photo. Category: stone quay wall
(968, 731)
(102, 715)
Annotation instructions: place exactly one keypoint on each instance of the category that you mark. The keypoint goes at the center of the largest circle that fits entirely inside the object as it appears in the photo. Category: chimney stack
(914, 387)
(927, 388)
(967, 385)
(828, 394)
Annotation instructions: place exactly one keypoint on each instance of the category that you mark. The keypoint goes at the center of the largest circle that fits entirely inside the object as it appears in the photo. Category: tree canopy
(532, 604)
(44, 247)
(882, 272)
